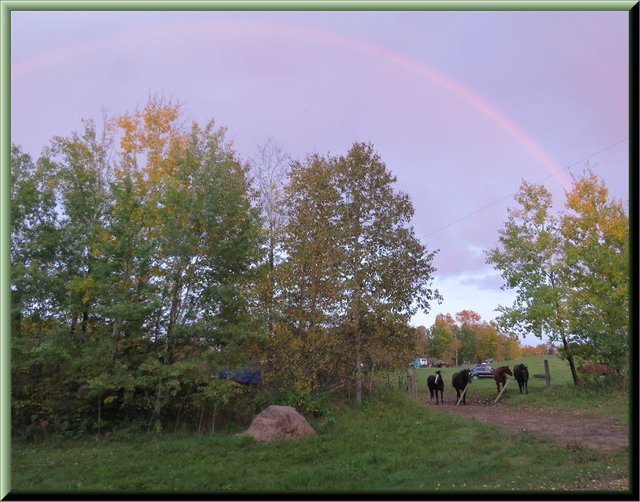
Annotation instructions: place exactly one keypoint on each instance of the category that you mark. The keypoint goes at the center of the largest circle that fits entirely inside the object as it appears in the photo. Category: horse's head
(508, 371)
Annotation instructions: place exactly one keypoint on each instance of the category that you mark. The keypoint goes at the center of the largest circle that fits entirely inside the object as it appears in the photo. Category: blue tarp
(245, 376)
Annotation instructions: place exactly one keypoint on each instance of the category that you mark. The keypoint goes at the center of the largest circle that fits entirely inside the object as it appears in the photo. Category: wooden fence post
(501, 390)
(463, 393)
(547, 375)
(411, 382)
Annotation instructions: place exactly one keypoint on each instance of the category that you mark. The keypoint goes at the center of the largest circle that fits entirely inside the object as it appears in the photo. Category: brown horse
(594, 369)
(500, 376)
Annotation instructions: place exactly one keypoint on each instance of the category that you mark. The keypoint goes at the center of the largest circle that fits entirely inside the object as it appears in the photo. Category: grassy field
(599, 399)
(392, 445)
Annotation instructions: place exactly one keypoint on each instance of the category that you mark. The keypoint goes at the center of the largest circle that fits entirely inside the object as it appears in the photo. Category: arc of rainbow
(270, 28)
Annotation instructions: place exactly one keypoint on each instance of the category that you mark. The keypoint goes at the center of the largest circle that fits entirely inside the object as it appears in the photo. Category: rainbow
(307, 33)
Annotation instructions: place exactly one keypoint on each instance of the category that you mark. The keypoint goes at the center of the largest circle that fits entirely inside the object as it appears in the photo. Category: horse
(459, 381)
(500, 376)
(594, 369)
(521, 373)
(436, 383)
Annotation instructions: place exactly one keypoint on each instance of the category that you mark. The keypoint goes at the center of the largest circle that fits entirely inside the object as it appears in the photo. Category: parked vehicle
(483, 370)
(420, 362)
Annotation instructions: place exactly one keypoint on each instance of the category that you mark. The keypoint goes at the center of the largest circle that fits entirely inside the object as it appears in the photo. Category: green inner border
(311, 5)
(7, 6)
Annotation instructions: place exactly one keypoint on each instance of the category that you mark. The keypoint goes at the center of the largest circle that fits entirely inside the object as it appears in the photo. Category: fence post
(547, 375)
(463, 393)
(410, 381)
(502, 390)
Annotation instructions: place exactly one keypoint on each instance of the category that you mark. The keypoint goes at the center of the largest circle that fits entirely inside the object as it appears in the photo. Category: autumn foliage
(145, 261)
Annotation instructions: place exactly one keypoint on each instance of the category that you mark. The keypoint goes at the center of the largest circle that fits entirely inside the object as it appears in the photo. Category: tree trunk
(114, 343)
(213, 419)
(565, 344)
(85, 318)
(99, 412)
(358, 368)
(157, 407)
(572, 365)
(201, 417)
(358, 341)
(271, 286)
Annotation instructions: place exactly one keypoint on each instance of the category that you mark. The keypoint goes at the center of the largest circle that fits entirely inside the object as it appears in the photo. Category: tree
(488, 341)
(442, 337)
(133, 276)
(595, 233)
(571, 271)
(353, 260)
(196, 198)
(270, 177)
(386, 271)
(530, 260)
(467, 321)
(508, 347)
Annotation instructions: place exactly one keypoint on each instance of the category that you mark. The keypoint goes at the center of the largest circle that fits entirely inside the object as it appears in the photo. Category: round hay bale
(279, 422)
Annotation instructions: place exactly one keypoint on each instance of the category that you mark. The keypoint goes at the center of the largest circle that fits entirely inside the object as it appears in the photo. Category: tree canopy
(146, 259)
(570, 271)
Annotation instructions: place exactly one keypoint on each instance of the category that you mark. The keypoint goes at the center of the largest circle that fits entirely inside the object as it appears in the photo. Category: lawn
(601, 399)
(392, 445)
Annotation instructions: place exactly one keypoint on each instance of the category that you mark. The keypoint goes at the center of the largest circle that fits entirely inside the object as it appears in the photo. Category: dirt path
(563, 427)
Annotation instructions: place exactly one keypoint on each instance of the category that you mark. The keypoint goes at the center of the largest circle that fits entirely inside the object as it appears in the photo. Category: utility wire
(468, 215)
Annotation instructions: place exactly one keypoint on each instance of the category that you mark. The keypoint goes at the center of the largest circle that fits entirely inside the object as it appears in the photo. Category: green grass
(396, 445)
(602, 399)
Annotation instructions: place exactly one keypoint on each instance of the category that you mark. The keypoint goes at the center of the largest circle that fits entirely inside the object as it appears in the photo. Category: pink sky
(460, 105)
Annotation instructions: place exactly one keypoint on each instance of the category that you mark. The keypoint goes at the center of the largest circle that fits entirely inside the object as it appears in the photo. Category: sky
(461, 106)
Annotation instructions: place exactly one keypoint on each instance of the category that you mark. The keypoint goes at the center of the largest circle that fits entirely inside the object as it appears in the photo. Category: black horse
(436, 384)
(521, 373)
(459, 382)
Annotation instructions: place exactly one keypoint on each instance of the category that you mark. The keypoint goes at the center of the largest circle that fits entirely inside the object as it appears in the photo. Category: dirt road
(569, 428)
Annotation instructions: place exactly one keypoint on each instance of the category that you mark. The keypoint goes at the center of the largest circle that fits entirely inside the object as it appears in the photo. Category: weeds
(394, 445)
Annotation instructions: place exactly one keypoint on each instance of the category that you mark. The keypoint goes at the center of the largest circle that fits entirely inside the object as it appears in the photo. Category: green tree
(467, 321)
(595, 233)
(386, 270)
(530, 260)
(133, 271)
(468, 343)
(269, 170)
(206, 233)
(442, 337)
(62, 342)
(352, 256)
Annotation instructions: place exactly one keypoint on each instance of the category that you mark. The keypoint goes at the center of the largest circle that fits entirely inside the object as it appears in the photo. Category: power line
(472, 213)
